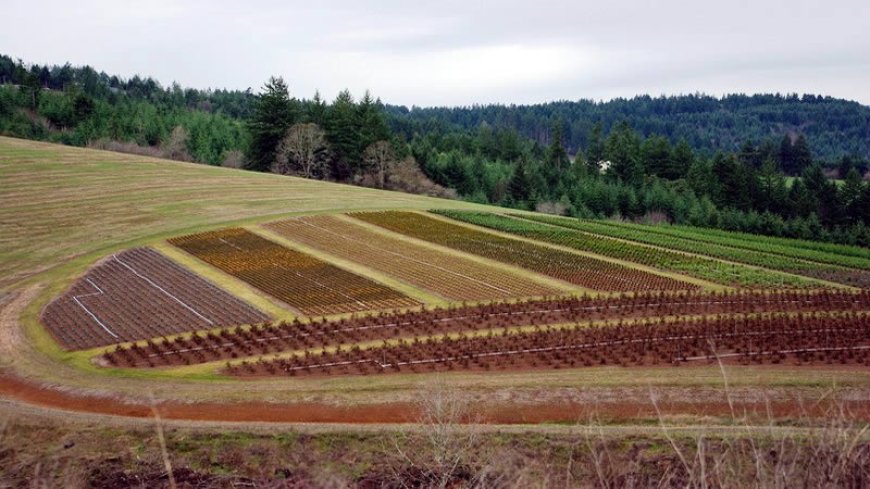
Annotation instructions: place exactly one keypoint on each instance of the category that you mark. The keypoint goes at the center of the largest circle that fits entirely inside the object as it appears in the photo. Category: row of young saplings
(798, 339)
(265, 338)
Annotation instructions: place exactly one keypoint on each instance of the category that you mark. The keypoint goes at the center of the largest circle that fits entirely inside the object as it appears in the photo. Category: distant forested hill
(58, 99)
(833, 127)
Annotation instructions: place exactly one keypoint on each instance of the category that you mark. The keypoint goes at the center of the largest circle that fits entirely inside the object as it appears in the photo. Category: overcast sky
(461, 52)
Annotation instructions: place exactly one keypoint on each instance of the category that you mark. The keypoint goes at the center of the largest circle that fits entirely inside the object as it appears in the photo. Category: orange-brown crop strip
(306, 283)
(450, 276)
(140, 294)
(577, 269)
(803, 339)
(296, 336)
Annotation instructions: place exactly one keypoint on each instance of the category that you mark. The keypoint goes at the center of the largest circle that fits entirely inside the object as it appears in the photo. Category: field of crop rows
(297, 336)
(825, 265)
(450, 276)
(733, 274)
(801, 339)
(577, 269)
(850, 256)
(140, 294)
(306, 283)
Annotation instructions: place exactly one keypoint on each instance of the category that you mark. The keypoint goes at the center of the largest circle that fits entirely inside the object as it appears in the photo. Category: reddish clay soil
(388, 413)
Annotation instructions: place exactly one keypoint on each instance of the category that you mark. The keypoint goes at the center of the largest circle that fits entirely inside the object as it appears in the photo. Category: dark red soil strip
(386, 413)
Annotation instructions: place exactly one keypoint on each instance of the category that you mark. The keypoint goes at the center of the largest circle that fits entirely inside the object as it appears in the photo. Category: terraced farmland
(581, 270)
(451, 276)
(713, 270)
(840, 268)
(304, 282)
(140, 294)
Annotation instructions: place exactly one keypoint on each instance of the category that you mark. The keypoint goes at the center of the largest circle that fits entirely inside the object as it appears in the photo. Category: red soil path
(388, 413)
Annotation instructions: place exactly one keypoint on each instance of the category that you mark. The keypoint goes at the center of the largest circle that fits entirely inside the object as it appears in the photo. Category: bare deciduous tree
(233, 158)
(445, 450)
(379, 156)
(175, 148)
(301, 151)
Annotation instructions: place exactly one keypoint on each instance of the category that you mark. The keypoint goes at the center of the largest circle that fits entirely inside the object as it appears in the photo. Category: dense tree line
(752, 163)
(623, 174)
(80, 106)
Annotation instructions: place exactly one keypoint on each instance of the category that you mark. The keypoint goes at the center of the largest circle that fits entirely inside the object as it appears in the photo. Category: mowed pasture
(585, 271)
(62, 203)
(451, 276)
(140, 294)
(304, 282)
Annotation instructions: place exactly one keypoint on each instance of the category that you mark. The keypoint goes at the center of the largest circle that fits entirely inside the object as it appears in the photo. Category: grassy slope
(58, 202)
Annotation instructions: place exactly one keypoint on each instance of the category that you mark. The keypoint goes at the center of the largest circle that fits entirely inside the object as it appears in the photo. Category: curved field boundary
(580, 270)
(302, 281)
(450, 276)
(750, 253)
(140, 294)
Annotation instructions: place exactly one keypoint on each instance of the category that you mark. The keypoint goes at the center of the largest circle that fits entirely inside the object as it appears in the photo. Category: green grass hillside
(58, 202)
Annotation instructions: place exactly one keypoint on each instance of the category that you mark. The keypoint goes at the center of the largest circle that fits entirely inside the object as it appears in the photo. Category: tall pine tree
(622, 149)
(801, 154)
(274, 113)
(681, 161)
(595, 148)
(343, 132)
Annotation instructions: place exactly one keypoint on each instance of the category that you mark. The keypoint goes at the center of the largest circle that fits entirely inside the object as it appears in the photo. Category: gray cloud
(462, 52)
